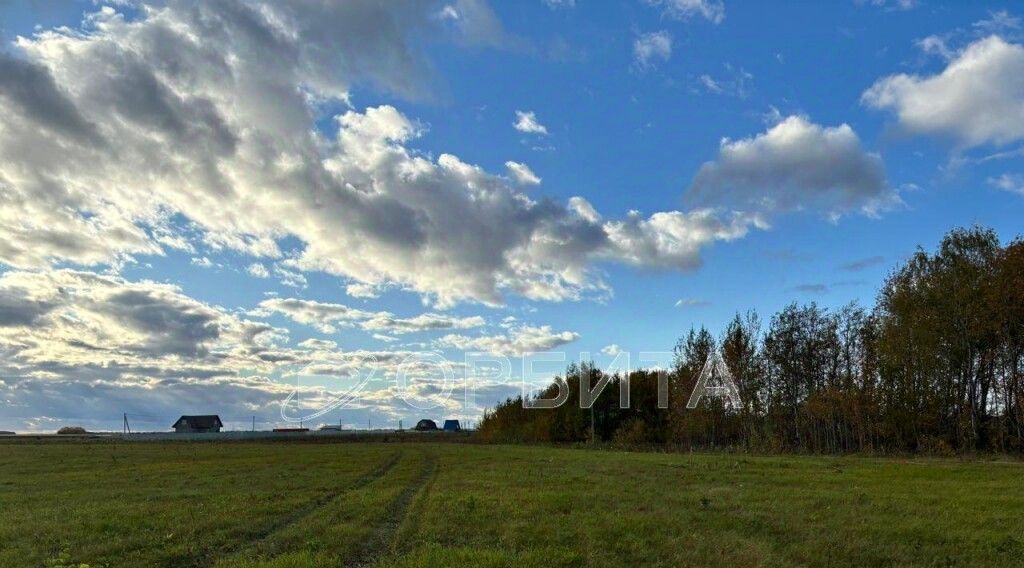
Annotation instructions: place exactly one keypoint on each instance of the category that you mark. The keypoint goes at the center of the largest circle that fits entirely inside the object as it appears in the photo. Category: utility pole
(126, 429)
(253, 423)
(591, 422)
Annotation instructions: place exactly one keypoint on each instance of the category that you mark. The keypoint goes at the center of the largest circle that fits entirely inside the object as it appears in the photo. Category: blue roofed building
(452, 426)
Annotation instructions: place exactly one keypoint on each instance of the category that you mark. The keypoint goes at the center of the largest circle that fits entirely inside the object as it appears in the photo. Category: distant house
(198, 424)
(452, 426)
(426, 425)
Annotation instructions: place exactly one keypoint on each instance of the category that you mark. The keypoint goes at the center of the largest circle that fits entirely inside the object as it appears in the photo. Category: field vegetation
(416, 504)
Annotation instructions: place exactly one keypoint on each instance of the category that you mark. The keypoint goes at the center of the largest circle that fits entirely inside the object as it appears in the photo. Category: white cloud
(290, 277)
(133, 135)
(556, 4)
(81, 348)
(612, 349)
(518, 341)
(935, 45)
(422, 322)
(1014, 183)
(893, 5)
(651, 46)
(977, 99)
(998, 22)
(735, 82)
(709, 83)
(320, 315)
(584, 209)
(325, 315)
(68, 319)
(522, 173)
(526, 121)
(360, 290)
(674, 239)
(712, 10)
(258, 270)
(691, 303)
(796, 165)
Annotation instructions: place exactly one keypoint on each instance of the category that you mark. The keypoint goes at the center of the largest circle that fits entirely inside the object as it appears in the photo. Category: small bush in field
(935, 447)
(70, 430)
(636, 433)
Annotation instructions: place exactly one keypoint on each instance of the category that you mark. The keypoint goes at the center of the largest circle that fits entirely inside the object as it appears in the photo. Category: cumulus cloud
(712, 10)
(119, 134)
(258, 270)
(674, 239)
(651, 46)
(935, 45)
(612, 349)
(796, 165)
(82, 348)
(522, 173)
(290, 277)
(526, 121)
(977, 99)
(71, 319)
(517, 342)
(362, 291)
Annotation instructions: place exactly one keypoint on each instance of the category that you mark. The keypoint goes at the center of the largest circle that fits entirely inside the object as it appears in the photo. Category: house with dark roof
(426, 425)
(452, 426)
(198, 424)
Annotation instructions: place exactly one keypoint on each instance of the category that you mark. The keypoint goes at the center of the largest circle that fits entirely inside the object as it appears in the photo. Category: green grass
(408, 504)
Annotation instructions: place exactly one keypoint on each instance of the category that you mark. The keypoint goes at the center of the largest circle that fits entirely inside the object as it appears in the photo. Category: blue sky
(199, 189)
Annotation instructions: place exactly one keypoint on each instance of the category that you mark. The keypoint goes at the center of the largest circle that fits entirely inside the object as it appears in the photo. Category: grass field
(412, 504)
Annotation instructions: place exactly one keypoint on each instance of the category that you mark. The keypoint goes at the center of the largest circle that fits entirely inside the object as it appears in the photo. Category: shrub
(70, 430)
(935, 447)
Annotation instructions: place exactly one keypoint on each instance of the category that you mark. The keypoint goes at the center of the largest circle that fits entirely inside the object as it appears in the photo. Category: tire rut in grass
(209, 557)
(382, 540)
(410, 526)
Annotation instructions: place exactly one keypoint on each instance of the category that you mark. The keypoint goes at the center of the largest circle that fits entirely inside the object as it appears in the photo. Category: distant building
(452, 426)
(198, 424)
(6, 433)
(426, 425)
(291, 430)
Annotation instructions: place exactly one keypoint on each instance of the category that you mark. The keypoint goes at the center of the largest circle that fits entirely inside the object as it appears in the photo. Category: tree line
(936, 366)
